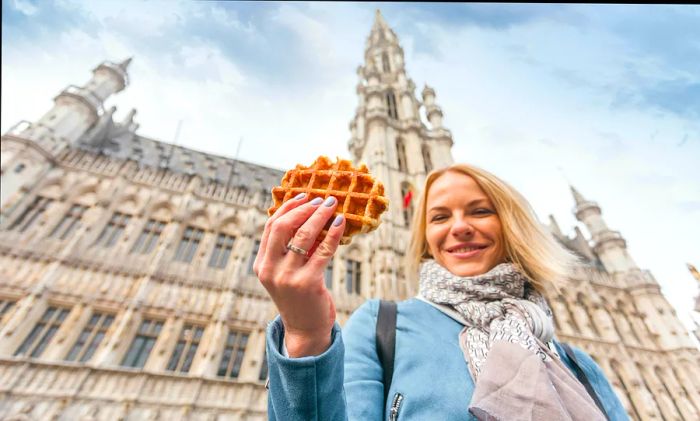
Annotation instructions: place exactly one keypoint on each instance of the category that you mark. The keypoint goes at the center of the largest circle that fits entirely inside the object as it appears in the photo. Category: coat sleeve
(606, 394)
(343, 383)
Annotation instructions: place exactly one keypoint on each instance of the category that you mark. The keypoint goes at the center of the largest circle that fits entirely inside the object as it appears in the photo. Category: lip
(478, 249)
(465, 245)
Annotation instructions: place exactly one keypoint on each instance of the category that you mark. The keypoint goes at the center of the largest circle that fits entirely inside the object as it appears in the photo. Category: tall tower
(389, 135)
(29, 149)
(665, 328)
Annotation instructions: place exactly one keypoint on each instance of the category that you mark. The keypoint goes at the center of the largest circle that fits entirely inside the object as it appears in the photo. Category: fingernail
(316, 201)
(338, 220)
(300, 196)
(330, 201)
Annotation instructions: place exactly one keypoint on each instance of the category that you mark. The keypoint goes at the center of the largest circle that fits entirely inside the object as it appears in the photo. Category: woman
(477, 342)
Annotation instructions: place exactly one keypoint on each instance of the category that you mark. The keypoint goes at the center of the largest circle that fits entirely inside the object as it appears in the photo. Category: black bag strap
(386, 341)
(583, 378)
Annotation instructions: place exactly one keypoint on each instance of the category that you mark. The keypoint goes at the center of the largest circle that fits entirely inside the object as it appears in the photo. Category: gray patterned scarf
(506, 325)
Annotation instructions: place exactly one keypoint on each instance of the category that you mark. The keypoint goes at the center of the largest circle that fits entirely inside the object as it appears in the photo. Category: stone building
(126, 289)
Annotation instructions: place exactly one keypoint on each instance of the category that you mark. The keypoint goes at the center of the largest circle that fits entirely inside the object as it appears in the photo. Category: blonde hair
(528, 245)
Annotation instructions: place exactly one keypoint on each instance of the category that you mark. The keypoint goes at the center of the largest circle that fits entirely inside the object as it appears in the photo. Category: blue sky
(604, 96)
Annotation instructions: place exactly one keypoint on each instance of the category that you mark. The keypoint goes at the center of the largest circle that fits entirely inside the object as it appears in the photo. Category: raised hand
(290, 265)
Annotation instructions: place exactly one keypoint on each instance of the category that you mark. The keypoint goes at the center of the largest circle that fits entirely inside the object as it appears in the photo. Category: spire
(379, 21)
(578, 197)
(381, 33)
(124, 64)
(694, 272)
(129, 117)
(554, 226)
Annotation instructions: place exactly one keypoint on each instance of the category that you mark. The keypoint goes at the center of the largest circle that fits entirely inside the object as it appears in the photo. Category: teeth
(465, 250)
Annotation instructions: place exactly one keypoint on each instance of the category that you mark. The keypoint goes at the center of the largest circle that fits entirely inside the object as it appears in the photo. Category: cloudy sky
(605, 97)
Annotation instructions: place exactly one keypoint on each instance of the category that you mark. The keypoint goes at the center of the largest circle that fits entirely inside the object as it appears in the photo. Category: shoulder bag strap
(386, 340)
(583, 378)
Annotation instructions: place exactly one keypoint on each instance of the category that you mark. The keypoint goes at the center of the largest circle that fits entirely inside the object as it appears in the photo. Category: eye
(483, 211)
(438, 217)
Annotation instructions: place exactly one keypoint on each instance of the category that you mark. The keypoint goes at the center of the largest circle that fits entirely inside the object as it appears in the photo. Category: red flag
(407, 199)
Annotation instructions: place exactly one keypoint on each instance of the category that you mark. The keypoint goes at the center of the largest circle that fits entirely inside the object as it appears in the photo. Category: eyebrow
(472, 203)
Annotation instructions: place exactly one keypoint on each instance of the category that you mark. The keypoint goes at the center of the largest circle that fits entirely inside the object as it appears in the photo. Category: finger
(283, 228)
(326, 248)
(306, 235)
(297, 201)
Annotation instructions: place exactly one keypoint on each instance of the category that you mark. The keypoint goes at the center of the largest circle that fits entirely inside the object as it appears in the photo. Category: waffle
(360, 197)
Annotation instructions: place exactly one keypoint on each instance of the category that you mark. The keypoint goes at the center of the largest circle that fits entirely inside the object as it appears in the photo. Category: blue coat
(430, 374)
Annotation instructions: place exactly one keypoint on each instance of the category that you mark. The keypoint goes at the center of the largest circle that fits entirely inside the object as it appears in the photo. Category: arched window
(353, 276)
(564, 305)
(628, 327)
(427, 161)
(583, 302)
(619, 381)
(647, 389)
(385, 63)
(669, 397)
(391, 105)
(401, 154)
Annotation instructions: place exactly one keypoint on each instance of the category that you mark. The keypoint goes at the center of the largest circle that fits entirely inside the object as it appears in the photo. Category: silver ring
(297, 250)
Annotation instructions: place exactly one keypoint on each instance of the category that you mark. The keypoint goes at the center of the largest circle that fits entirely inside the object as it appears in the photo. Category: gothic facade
(126, 284)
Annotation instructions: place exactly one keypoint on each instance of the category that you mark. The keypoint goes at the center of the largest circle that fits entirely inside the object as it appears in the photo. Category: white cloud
(24, 6)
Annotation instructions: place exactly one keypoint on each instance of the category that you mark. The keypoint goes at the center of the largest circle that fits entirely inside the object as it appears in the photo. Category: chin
(470, 272)
(465, 269)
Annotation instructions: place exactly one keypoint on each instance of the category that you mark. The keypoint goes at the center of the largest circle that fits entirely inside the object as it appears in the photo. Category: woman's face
(463, 230)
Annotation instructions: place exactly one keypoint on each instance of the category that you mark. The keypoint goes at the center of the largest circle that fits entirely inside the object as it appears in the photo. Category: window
(230, 364)
(42, 333)
(263, 370)
(352, 276)
(5, 306)
(90, 337)
(391, 105)
(407, 205)
(253, 255)
(222, 251)
(143, 343)
(401, 154)
(328, 274)
(149, 237)
(31, 213)
(427, 161)
(186, 347)
(114, 229)
(188, 244)
(385, 63)
(69, 223)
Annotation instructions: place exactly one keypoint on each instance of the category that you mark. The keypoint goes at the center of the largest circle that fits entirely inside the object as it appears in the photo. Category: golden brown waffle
(360, 197)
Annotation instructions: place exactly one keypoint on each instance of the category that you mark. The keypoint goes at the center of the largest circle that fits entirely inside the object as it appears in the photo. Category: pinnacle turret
(124, 64)
(578, 197)
(609, 245)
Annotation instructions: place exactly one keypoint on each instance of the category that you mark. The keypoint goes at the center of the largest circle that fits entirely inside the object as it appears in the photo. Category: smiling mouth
(466, 249)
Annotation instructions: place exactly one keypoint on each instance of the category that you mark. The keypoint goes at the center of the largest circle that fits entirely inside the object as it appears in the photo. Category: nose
(461, 227)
